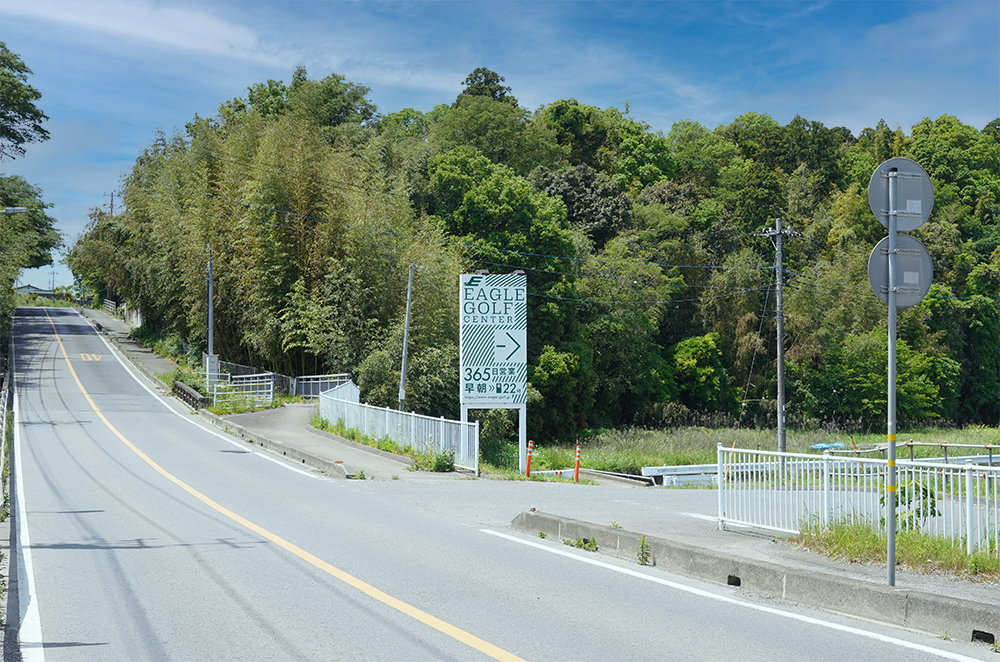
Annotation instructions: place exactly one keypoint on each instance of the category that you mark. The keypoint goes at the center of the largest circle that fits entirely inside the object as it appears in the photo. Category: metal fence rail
(310, 386)
(250, 389)
(781, 491)
(423, 433)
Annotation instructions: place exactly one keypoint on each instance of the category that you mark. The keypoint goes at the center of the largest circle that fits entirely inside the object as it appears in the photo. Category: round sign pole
(891, 405)
(895, 178)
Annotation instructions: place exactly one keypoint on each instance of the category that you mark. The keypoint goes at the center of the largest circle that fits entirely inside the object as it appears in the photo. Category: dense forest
(651, 290)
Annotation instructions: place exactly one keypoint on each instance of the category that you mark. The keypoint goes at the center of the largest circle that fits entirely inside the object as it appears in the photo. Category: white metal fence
(781, 491)
(421, 433)
(244, 389)
(4, 400)
(310, 386)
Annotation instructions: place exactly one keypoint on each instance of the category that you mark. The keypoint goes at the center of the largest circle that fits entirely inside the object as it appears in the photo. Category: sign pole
(890, 500)
(900, 272)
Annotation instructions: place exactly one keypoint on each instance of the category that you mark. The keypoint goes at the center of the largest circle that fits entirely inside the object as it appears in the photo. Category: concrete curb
(334, 469)
(915, 610)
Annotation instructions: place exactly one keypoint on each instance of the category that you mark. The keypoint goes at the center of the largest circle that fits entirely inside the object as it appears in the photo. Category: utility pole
(775, 234)
(112, 196)
(211, 359)
(406, 339)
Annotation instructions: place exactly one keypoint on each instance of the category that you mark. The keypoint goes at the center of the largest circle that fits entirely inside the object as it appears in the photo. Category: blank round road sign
(914, 193)
(914, 270)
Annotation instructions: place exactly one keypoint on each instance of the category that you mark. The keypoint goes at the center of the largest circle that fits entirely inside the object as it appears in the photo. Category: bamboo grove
(651, 298)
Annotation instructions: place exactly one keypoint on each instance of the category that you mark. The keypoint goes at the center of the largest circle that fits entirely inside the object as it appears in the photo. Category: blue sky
(112, 73)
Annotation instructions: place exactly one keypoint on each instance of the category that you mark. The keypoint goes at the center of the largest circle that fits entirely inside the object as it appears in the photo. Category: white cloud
(170, 26)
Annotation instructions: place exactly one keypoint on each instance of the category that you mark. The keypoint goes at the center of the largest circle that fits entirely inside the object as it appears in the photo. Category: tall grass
(863, 542)
(627, 450)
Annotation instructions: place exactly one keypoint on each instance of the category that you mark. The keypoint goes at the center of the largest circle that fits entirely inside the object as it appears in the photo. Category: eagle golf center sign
(493, 333)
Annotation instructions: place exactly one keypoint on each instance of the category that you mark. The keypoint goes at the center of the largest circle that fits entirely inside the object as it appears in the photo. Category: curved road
(142, 535)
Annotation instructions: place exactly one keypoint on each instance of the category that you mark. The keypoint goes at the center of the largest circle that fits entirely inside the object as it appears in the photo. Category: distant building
(31, 289)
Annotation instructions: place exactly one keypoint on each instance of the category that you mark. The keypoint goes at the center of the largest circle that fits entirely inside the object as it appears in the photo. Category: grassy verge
(422, 460)
(627, 450)
(862, 542)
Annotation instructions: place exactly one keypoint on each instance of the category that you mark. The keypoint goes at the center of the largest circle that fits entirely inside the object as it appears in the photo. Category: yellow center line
(441, 626)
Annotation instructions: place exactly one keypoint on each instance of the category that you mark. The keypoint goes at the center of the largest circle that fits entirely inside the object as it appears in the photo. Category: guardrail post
(969, 546)
(827, 465)
(722, 512)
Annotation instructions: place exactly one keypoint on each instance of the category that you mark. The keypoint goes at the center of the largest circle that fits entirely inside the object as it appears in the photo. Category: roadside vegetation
(627, 450)
(423, 460)
(863, 542)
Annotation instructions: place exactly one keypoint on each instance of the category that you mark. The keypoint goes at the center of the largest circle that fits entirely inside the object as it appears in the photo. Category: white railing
(782, 491)
(249, 389)
(310, 386)
(4, 399)
(422, 433)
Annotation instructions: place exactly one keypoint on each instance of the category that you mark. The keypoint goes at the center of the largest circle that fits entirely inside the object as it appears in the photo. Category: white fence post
(969, 544)
(722, 512)
(826, 488)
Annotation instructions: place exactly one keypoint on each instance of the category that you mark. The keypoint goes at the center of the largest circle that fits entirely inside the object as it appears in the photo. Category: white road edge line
(707, 518)
(30, 628)
(227, 438)
(733, 601)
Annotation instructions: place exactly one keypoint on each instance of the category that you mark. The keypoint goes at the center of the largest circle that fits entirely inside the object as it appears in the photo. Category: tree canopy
(650, 295)
(20, 119)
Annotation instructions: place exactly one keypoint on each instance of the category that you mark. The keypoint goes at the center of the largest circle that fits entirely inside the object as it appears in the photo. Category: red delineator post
(576, 470)
(531, 448)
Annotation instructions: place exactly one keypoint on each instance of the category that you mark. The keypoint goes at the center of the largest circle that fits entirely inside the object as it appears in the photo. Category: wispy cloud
(171, 26)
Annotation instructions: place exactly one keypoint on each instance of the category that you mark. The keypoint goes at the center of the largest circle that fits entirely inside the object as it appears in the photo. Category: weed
(358, 476)
(643, 552)
(947, 635)
(860, 541)
(428, 460)
(615, 525)
(587, 544)
(395, 477)
(542, 534)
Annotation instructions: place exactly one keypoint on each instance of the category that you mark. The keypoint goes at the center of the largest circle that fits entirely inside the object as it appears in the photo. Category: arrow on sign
(517, 346)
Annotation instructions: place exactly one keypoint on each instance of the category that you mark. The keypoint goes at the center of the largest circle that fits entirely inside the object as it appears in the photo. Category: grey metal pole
(891, 405)
(406, 339)
(211, 305)
(780, 316)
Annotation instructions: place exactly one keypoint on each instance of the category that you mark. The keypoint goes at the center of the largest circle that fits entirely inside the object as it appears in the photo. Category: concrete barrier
(916, 610)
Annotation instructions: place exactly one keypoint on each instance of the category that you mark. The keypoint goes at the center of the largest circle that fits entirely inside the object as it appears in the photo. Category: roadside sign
(913, 265)
(493, 355)
(914, 193)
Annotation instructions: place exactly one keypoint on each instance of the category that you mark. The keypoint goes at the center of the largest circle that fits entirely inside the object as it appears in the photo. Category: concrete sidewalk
(685, 542)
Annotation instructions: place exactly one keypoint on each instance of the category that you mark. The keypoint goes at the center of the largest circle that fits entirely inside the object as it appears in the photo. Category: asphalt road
(141, 535)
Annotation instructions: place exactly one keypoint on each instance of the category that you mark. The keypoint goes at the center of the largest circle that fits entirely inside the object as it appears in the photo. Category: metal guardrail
(310, 386)
(423, 433)
(781, 491)
(249, 389)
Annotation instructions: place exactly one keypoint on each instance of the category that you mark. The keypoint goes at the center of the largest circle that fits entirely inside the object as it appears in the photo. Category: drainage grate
(733, 580)
(984, 637)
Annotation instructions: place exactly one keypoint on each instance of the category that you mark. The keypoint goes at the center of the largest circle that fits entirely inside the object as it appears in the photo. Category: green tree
(503, 132)
(35, 229)
(20, 120)
(579, 128)
(702, 381)
(594, 204)
(485, 83)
